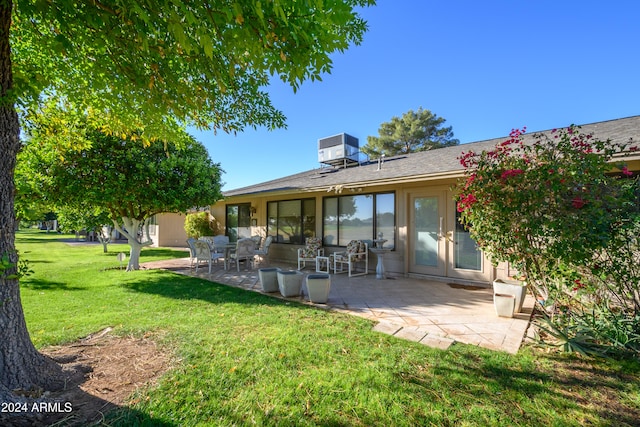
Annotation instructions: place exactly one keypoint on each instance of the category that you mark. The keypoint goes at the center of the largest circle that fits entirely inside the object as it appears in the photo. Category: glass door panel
(427, 246)
(466, 254)
(467, 261)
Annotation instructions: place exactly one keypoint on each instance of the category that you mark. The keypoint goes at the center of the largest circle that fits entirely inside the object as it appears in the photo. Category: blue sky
(486, 67)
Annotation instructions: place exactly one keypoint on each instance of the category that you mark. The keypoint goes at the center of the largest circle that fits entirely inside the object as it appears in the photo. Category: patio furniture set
(318, 284)
(354, 261)
(211, 249)
(356, 252)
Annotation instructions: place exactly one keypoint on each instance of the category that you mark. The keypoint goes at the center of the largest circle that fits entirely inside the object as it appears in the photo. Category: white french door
(438, 244)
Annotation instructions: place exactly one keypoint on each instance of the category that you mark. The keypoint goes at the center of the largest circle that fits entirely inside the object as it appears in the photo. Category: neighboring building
(167, 230)
(407, 198)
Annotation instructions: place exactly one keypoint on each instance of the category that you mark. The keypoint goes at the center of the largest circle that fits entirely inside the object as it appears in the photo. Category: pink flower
(466, 201)
(511, 172)
(626, 171)
(578, 202)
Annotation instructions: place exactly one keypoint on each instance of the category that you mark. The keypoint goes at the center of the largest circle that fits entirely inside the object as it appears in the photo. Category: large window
(238, 221)
(291, 221)
(359, 217)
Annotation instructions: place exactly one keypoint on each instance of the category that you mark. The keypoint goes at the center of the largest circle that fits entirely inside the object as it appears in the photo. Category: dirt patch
(104, 371)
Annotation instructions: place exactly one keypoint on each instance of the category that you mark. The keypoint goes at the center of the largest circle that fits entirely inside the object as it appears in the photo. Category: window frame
(307, 227)
(374, 210)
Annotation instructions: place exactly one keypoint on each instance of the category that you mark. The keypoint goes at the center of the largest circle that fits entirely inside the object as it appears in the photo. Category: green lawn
(247, 359)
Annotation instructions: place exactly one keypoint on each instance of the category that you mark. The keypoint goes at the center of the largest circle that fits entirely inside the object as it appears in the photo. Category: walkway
(433, 313)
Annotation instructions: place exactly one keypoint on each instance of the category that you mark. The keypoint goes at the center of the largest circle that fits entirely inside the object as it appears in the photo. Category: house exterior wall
(398, 261)
(168, 231)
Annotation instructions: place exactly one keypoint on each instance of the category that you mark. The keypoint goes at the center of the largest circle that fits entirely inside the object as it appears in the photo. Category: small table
(228, 247)
(322, 261)
(380, 274)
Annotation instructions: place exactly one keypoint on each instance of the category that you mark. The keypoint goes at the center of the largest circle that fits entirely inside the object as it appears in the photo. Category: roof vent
(338, 150)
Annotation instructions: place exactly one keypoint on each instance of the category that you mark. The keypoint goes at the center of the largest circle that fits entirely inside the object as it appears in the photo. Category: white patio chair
(245, 250)
(264, 250)
(312, 249)
(203, 253)
(357, 251)
(192, 250)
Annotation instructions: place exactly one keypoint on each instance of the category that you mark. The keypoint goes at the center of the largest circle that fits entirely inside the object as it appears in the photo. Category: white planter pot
(504, 304)
(511, 287)
(318, 287)
(290, 283)
(269, 279)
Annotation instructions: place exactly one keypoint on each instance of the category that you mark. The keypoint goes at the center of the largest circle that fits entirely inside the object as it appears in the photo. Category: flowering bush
(550, 205)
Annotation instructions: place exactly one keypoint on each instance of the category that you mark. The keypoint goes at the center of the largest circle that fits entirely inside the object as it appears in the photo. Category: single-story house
(407, 199)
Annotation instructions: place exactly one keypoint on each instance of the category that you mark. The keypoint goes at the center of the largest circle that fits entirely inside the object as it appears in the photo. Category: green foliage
(90, 218)
(199, 224)
(414, 131)
(551, 207)
(140, 65)
(120, 176)
(13, 270)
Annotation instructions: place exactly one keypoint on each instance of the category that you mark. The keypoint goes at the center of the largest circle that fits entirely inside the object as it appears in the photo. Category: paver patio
(433, 313)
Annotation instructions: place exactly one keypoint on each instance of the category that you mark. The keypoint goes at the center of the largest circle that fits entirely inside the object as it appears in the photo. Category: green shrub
(556, 208)
(199, 224)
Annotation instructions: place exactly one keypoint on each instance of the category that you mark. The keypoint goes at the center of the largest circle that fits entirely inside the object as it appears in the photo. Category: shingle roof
(424, 165)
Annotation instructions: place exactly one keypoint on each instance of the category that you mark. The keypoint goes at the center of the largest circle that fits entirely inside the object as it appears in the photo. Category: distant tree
(414, 131)
(93, 219)
(130, 182)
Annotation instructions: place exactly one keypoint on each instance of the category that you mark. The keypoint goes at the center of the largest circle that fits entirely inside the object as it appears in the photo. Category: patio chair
(222, 247)
(216, 253)
(203, 253)
(257, 239)
(312, 249)
(264, 250)
(357, 251)
(245, 250)
(192, 250)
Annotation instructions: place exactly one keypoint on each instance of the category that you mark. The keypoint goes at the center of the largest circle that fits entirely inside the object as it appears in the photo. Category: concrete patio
(433, 313)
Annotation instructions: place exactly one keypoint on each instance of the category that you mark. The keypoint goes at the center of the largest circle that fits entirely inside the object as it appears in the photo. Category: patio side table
(323, 265)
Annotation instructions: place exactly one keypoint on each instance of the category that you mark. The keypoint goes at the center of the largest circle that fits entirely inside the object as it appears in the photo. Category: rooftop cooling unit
(338, 150)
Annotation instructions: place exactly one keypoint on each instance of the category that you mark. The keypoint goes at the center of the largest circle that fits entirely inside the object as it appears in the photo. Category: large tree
(138, 65)
(129, 181)
(415, 131)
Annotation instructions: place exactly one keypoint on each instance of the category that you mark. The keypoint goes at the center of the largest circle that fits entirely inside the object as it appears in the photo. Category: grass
(243, 358)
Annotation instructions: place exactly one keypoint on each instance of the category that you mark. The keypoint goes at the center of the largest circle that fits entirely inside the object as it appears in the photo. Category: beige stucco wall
(169, 231)
(396, 262)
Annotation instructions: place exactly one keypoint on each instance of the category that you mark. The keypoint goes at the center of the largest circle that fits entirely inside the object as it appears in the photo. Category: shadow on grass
(579, 388)
(182, 287)
(44, 285)
(131, 417)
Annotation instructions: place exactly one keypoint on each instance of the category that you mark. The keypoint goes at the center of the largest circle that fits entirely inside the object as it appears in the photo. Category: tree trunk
(21, 366)
(130, 229)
